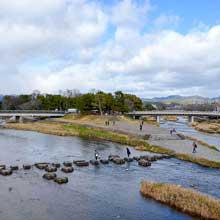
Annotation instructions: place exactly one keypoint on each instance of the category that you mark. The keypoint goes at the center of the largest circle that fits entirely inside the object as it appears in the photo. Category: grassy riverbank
(63, 129)
(185, 200)
(211, 127)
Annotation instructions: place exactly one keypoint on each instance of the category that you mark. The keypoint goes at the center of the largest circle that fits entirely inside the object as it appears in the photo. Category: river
(182, 126)
(93, 193)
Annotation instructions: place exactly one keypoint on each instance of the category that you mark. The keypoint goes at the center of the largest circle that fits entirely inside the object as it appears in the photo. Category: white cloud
(58, 44)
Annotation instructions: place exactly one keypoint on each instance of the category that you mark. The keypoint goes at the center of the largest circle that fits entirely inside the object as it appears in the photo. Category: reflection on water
(182, 126)
(106, 192)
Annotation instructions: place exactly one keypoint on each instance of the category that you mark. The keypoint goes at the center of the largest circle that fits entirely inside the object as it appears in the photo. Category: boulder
(5, 172)
(51, 169)
(81, 163)
(67, 169)
(67, 163)
(118, 161)
(61, 180)
(57, 165)
(14, 168)
(144, 163)
(49, 176)
(112, 157)
(2, 167)
(104, 161)
(41, 166)
(94, 162)
(128, 159)
(26, 167)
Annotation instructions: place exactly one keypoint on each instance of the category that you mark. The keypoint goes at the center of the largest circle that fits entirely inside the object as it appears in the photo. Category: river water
(182, 126)
(93, 193)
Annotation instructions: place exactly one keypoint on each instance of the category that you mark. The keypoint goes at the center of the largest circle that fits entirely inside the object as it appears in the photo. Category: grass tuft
(182, 199)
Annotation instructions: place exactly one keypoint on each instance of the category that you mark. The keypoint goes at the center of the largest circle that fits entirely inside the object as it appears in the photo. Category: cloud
(83, 44)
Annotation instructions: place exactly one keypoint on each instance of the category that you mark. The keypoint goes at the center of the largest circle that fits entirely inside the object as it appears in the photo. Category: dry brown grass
(207, 127)
(185, 200)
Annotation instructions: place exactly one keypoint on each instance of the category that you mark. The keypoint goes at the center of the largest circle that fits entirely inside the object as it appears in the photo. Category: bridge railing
(32, 111)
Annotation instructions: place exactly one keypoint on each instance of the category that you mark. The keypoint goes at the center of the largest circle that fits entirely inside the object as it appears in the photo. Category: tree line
(99, 102)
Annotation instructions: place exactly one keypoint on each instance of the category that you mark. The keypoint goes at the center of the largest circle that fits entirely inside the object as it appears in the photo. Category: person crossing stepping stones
(128, 152)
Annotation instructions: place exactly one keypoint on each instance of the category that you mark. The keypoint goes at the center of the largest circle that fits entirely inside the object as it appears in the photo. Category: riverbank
(207, 127)
(124, 132)
(182, 199)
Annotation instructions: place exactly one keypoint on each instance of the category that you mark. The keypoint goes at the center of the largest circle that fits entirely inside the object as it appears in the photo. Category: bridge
(19, 115)
(190, 114)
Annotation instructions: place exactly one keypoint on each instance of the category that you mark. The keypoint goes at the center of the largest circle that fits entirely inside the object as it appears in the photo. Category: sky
(146, 47)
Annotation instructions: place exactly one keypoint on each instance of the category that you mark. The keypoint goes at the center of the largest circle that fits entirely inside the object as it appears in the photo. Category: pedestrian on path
(194, 147)
(96, 155)
(141, 126)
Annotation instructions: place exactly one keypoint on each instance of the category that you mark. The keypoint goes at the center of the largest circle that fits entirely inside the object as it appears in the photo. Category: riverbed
(94, 193)
(183, 126)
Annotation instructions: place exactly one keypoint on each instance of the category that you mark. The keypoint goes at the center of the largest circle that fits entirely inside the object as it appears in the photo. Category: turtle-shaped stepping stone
(51, 169)
(57, 165)
(61, 180)
(119, 161)
(5, 172)
(41, 166)
(94, 162)
(14, 167)
(49, 176)
(67, 169)
(128, 159)
(104, 161)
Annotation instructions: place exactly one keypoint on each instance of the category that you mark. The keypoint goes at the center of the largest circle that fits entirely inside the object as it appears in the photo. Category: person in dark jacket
(194, 147)
(128, 152)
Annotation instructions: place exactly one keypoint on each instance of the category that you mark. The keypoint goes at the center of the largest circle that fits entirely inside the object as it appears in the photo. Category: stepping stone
(26, 167)
(41, 166)
(81, 163)
(104, 161)
(119, 161)
(51, 169)
(128, 159)
(14, 167)
(49, 176)
(60, 180)
(2, 167)
(144, 163)
(112, 157)
(57, 165)
(94, 162)
(67, 164)
(136, 158)
(67, 169)
(5, 172)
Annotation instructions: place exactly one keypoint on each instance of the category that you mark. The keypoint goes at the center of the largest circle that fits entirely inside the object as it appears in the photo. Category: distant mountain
(183, 99)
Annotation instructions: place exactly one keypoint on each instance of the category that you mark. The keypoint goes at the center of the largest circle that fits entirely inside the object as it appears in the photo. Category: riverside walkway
(158, 137)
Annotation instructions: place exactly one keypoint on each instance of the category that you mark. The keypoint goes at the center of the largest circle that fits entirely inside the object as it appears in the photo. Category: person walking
(194, 147)
(96, 155)
(141, 126)
(128, 151)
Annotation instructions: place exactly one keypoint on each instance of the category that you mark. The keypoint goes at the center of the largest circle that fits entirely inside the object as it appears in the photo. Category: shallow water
(105, 192)
(182, 126)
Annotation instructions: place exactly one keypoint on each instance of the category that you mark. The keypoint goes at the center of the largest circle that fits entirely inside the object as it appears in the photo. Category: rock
(112, 157)
(57, 165)
(144, 163)
(49, 176)
(67, 164)
(51, 169)
(81, 163)
(118, 161)
(94, 162)
(26, 167)
(128, 159)
(2, 167)
(5, 172)
(67, 169)
(14, 167)
(136, 158)
(104, 161)
(61, 180)
(41, 166)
